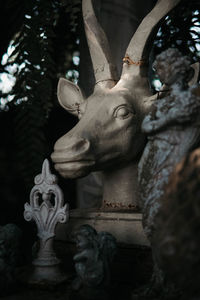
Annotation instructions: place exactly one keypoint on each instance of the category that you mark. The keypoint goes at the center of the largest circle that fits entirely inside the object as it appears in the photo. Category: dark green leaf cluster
(181, 29)
(73, 8)
(43, 52)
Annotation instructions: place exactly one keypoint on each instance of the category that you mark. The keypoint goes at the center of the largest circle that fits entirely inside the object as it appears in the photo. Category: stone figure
(96, 251)
(10, 256)
(173, 131)
(177, 238)
(108, 136)
(172, 128)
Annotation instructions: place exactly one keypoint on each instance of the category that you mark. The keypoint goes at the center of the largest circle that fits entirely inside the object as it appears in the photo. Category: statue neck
(120, 187)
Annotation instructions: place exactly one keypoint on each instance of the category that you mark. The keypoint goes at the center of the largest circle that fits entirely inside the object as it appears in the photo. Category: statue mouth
(75, 169)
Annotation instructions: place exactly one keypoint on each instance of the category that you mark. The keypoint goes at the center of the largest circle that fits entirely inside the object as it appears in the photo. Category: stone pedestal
(126, 226)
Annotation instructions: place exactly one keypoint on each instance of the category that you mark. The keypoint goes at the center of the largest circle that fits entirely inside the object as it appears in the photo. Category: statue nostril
(72, 144)
(82, 145)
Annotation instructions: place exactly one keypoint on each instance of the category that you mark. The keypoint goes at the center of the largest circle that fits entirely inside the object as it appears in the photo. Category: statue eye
(122, 112)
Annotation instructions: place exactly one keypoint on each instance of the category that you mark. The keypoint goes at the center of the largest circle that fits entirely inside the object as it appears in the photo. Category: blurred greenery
(43, 50)
(181, 29)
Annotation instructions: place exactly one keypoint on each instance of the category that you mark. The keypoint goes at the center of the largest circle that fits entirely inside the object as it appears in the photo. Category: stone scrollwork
(47, 209)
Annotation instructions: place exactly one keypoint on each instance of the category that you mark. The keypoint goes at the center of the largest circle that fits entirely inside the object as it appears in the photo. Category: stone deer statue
(108, 136)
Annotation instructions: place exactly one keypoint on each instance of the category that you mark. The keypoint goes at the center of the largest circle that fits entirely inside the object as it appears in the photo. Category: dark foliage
(181, 30)
(43, 52)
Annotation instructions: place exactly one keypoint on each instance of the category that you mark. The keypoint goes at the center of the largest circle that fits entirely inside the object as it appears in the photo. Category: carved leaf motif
(44, 210)
(63, 215)
(28, 213)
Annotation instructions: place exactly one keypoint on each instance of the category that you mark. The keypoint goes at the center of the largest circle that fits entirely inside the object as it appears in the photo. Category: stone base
(42, 277)
(126, 226)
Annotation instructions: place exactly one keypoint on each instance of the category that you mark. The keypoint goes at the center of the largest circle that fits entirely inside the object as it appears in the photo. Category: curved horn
(104, 68)
(138, 49)
(196, 68)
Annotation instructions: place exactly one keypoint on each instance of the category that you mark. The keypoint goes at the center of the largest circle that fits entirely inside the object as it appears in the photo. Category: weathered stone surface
(172, 128)
(177, 239)
(173, 131)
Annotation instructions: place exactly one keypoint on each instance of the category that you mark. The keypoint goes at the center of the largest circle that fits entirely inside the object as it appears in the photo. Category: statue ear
(69, 96)
(194, 75)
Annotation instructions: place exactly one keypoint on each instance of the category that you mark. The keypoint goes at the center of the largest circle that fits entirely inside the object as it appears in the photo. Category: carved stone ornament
(46, 209)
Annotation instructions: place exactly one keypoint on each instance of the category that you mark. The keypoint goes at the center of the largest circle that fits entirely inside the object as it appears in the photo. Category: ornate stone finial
(46, 209)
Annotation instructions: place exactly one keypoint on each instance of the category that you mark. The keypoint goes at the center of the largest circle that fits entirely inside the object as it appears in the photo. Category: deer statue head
(108, 134)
